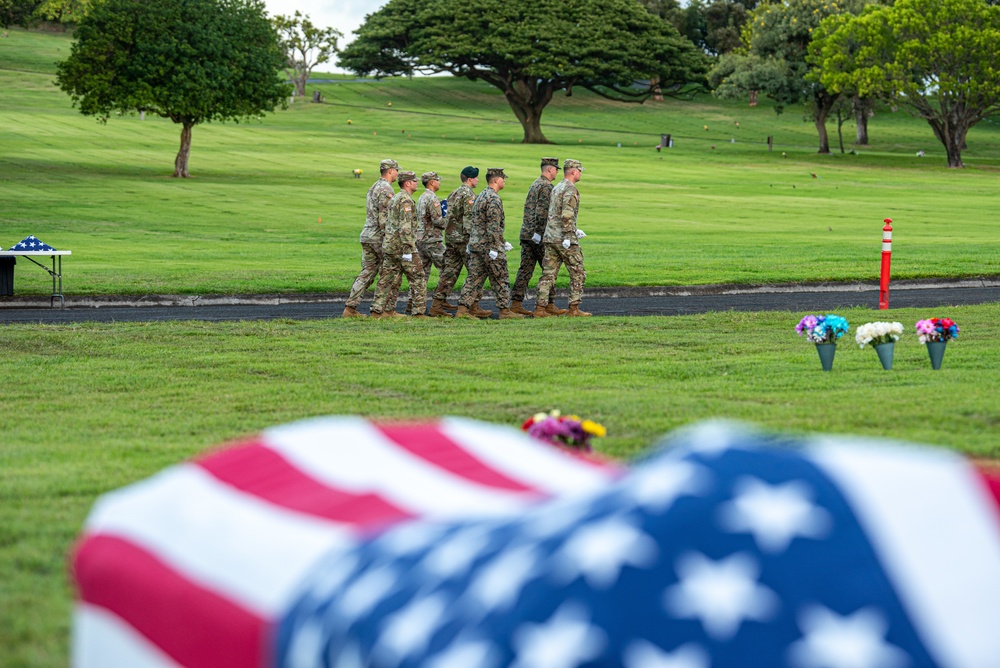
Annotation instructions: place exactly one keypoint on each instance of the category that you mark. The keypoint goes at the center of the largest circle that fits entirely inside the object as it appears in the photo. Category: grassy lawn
(250, 220)
(90, 408)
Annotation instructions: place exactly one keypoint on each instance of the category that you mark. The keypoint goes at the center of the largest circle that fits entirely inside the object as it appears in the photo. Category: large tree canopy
(192, 61)
(773, 60)
(530, 49)
(939, 58)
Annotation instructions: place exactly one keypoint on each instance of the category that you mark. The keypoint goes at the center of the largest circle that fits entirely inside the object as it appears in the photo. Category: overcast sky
(344, 15)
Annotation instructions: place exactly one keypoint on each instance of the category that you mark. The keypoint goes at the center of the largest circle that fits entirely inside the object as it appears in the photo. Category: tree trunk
(951, 137)
(657, 92)
(824, 103)
(862, 108)
(753, 98)
(954, 149)
(181, 163)
(528, 100)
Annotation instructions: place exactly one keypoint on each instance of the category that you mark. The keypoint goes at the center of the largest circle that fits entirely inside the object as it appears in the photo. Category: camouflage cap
(550, 162)
(572, 164)
(427, 177)
(470, 172)
(388, 164)
(406, 176)
(494, 172)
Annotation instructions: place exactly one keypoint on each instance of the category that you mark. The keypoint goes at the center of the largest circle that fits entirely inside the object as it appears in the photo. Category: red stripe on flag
(430, 443)
(991, 477)
(257, 469)
(196, 627)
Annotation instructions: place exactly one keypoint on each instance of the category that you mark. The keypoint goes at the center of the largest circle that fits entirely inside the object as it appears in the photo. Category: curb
(139, 301)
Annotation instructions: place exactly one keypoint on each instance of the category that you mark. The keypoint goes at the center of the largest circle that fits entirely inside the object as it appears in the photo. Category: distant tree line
(839, 58)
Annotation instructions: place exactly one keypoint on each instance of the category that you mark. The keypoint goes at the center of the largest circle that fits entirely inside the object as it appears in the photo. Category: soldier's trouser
(371, 261)
(454, 259)
(531, 254)
(394, 267)
(556, 255)
(431, 253)
(482, 267)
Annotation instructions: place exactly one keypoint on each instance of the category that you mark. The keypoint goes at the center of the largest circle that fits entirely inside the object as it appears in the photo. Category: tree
(773, 59)
(18, 12)
(305, 45)
(529, 49)
(937, 58)
(192, 61)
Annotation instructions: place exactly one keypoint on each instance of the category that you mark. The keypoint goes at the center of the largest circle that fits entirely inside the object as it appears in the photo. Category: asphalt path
(664, 301)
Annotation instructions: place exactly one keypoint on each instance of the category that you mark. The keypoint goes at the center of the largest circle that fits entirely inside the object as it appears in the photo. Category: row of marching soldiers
(403, 237)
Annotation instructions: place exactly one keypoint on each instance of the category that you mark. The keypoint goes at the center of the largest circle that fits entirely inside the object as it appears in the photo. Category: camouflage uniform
(563, 211)
(400, 239)
(430, 224)
(372, 235)
(456, 236)
(485, 236)
(536, 214)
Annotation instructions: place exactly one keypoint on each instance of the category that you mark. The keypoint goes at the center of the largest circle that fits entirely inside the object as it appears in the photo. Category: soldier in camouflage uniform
(371, 235)
(399, 253)
(536, 215)
(456, 237)
(561, 243)
(430, 225)
(488, 250)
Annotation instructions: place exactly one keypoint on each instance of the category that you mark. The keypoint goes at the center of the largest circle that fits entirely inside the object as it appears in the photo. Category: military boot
(552, 309)
(438, 309)
(393, 315)
(409, 307)
(351, 312)
(479, 312)
(540, 312)
(574, 310)
(516, 307)
(509, 314)
(463, 312)
(446, 306)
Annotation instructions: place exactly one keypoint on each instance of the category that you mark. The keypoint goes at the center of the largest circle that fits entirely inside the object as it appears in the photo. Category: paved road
(605, 301)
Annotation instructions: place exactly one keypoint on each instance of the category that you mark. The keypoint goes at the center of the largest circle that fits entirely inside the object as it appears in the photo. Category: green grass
(249, 223)
(90, 408)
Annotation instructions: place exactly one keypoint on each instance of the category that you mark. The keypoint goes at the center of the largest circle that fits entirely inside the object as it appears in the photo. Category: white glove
(507, 246)
(408, 257)
(580, 234)
(536, 237)
(494, 255)
(566, 243)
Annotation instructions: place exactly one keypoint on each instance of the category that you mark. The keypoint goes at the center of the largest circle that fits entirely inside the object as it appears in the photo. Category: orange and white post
(883, 291)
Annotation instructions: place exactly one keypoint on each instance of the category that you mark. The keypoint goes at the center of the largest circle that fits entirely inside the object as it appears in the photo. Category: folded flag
(339, 542)
(444, 207)
(31, 243)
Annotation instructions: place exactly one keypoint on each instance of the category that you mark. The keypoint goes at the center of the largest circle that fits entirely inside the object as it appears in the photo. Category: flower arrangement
(877, 333)
(937, 329)
(822, 328)
(563, 430)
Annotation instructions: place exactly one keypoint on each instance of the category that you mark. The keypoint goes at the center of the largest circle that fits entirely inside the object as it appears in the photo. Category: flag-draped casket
(341, 542)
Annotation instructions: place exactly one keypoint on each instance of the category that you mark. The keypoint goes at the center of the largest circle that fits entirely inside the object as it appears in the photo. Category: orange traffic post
(883, 291)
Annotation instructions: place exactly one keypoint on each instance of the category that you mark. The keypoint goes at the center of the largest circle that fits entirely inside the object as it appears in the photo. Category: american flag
(31, 243)
(444, 207)
(342, 542)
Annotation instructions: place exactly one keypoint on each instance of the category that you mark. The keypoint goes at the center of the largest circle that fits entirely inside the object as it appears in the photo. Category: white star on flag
(566, 640)
(598, 551)
(410, 629)
(719, 593)
(850, 641)
(774, 514)
(644, 654)
(659, 486)
(500, 581)
(366, 592)
(456, 553)
(466, 654)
